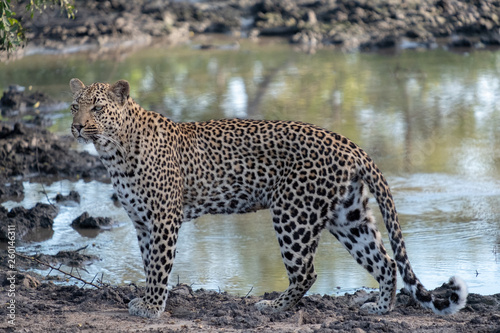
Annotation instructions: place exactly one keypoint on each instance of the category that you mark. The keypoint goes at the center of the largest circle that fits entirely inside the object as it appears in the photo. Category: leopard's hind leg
(354, 226)
(298, 232)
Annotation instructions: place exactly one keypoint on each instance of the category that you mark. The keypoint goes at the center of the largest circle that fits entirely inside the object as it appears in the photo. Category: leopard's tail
(453, 298)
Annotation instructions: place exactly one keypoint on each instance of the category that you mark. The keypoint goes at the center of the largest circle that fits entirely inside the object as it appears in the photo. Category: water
(429, 119)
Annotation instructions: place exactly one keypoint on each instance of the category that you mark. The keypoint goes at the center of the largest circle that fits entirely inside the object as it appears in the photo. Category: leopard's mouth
(81, 139)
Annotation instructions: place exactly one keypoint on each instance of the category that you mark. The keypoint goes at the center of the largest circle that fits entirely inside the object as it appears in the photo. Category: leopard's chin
(81, 139)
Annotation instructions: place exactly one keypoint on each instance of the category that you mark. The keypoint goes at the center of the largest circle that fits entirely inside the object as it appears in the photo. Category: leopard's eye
(74, 107)
(98, 108)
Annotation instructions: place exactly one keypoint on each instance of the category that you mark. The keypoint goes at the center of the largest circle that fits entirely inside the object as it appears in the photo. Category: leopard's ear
(120, 90)
(76, 85)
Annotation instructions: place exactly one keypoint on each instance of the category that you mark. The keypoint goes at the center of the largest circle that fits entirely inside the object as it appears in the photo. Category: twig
(248, 292)
(134, 285)
(59, 270)
(82, 248)
(246, 296)
(38, 168)
(94, 278)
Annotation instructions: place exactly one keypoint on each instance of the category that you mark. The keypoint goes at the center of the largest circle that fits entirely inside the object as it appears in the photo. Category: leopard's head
(98, 110)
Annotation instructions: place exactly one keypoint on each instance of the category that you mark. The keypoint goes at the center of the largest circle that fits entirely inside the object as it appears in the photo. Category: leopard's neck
(114, 149)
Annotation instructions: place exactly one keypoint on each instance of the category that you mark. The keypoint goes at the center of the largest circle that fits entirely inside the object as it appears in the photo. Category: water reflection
(429, 119)
(236, 99)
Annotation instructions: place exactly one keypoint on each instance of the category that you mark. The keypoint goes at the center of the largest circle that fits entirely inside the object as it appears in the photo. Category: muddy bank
(28, 151)
(46, 307)
(16, 101)
(349, 25)
(27, 220)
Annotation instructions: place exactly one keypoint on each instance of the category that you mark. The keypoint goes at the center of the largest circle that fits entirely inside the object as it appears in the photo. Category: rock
(387, 41)
(81, 30)
(7, 131)
(26, 220)
(440, 20)
(116, 200)
(72, 196)
(15, 100)
(311, 18)
(415, 33)
(491, 39)
(30, 282)
(279, 31)
(358, 330)
(85, 221)
(183, 289)
(11, 190)
(33, 151)
(461, 42)
(120, 23)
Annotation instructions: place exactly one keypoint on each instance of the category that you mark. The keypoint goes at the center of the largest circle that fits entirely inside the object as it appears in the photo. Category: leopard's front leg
(158, 252)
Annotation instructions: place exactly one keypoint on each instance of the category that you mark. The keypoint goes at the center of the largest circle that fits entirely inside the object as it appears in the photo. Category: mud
(28, 151)
(85, 221)
(17, 101)
(46, 307)
(27, 220)
(102, 25)
(72, 196)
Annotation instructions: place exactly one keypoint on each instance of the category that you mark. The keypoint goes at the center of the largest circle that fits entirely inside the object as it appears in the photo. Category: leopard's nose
(77, 127)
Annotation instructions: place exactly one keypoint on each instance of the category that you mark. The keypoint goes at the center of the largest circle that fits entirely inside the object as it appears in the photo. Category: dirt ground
(45, 307)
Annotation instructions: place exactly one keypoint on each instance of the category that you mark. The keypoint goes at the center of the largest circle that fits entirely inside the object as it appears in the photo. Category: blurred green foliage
(12, 33)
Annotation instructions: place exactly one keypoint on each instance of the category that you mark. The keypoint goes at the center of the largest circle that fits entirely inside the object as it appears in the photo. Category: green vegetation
(12, 33)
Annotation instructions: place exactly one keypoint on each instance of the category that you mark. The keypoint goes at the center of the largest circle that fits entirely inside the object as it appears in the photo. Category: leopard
(166, 173)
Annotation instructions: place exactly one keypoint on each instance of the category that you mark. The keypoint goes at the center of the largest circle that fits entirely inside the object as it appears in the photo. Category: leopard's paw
(137, 307)
(265, 305)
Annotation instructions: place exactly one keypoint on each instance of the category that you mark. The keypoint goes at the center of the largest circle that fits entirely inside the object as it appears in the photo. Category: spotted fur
(166, 172)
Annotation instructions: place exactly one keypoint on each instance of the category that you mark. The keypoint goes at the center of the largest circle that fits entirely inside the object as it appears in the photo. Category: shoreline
(310, 25)
(47, 307)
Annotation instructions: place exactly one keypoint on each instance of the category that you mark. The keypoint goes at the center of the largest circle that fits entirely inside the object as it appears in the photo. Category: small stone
(358, 330)
(311, 18)
(30, 282)
(72, 196)
(85, 221)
